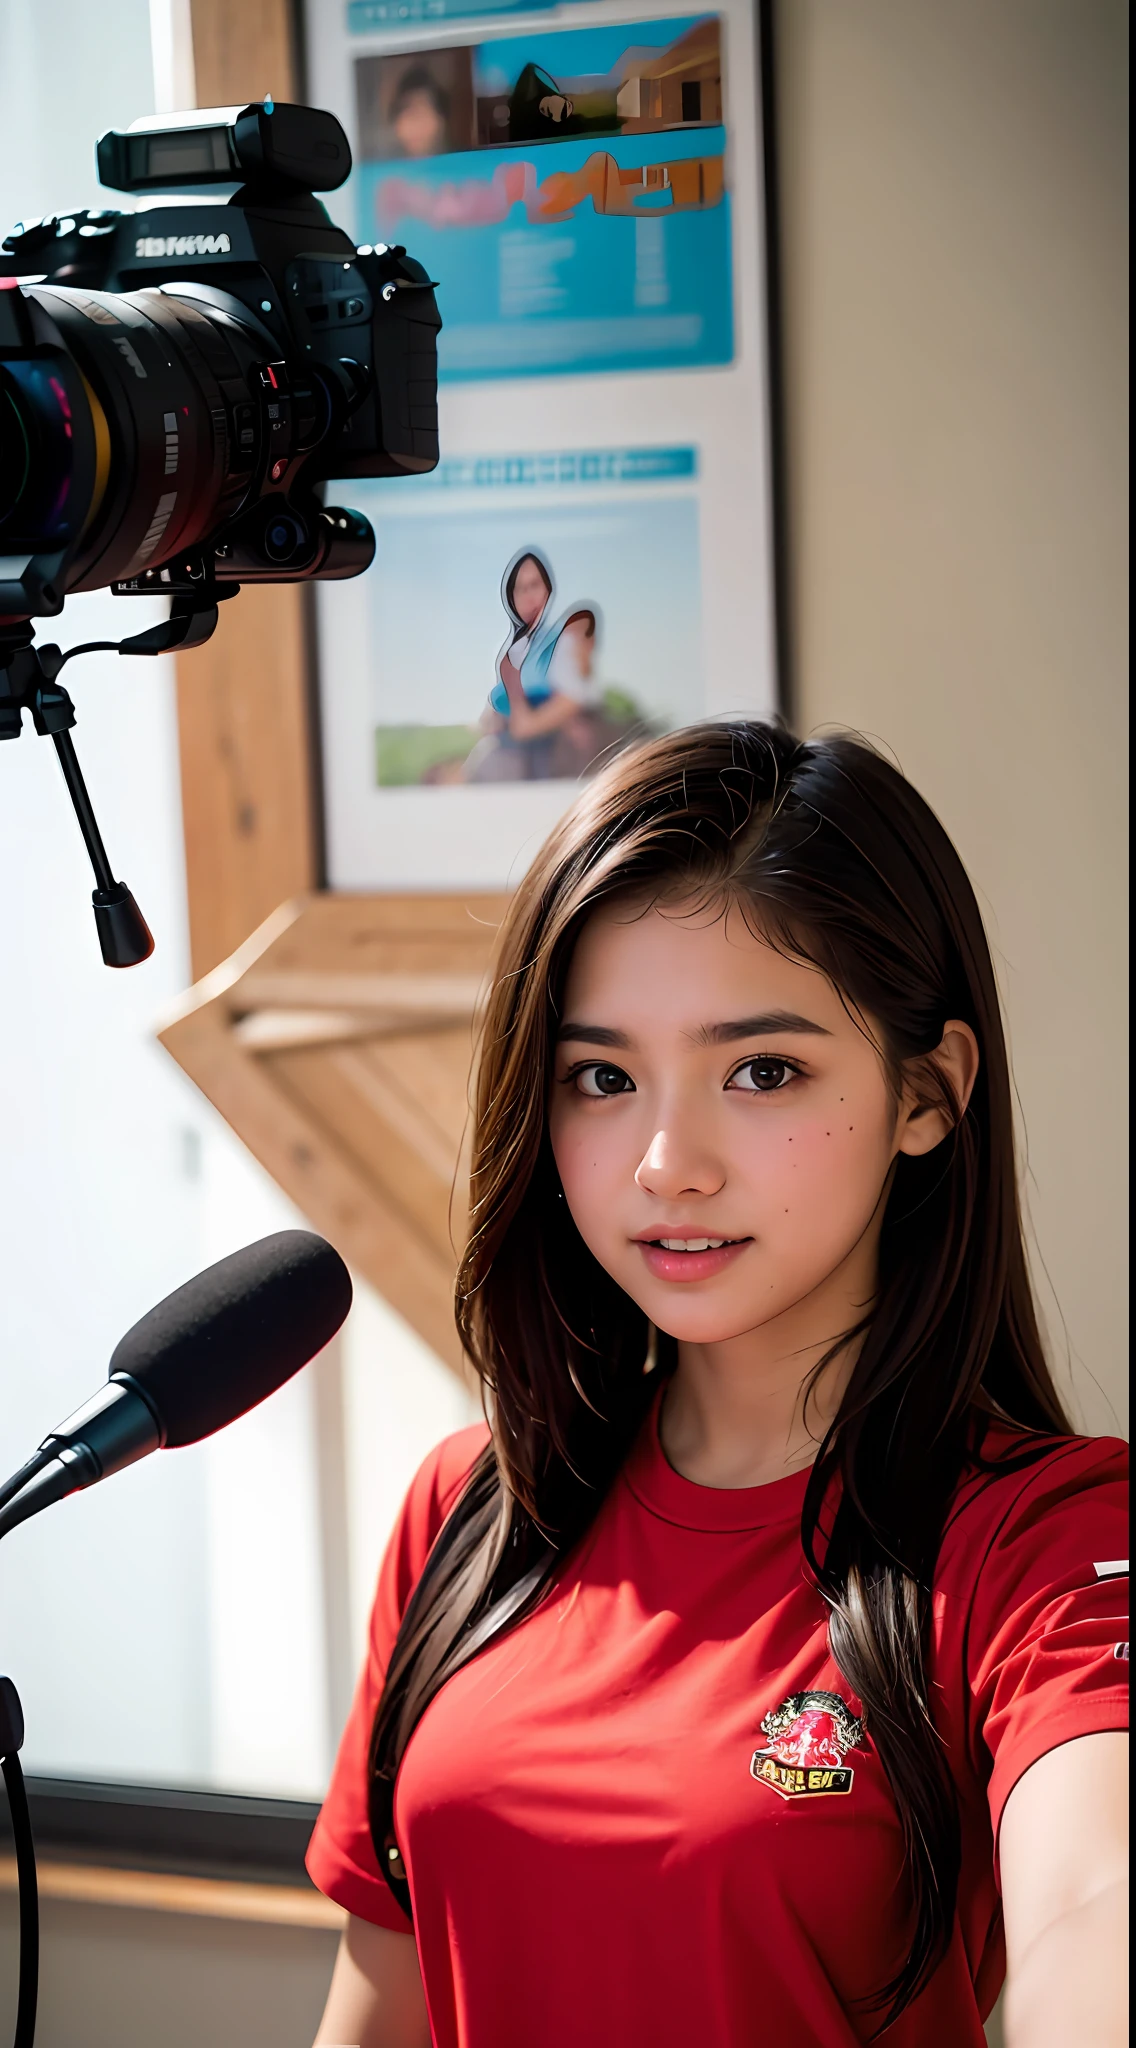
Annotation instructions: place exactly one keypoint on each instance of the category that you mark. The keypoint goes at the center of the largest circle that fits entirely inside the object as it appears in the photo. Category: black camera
(178, 383)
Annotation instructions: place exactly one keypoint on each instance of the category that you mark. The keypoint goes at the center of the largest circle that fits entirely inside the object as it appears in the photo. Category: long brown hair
(838, 861)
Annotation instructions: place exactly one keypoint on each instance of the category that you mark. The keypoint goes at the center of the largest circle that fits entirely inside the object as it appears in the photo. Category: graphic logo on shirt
(809, 1734)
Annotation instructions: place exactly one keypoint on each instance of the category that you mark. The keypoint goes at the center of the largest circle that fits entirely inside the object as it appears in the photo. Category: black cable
(19, 1480)
(90, 647)
(28, 1997)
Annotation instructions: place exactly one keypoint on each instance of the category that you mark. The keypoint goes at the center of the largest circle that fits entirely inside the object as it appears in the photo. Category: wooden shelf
(337, 1043)
(215, 1898)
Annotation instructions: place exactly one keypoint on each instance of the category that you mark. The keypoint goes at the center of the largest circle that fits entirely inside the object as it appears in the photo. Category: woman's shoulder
(1026, 1492)
(435, 1488)
(442, 1475)
(1030, 1602)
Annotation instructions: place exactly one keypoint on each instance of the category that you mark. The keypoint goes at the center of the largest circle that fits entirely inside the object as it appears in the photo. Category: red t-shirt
(650, 1814)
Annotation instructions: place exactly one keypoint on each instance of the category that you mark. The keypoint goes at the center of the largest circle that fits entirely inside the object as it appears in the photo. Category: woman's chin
(706, 1323)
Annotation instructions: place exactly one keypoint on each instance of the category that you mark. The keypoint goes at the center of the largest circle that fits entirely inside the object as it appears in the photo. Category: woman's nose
(674, 1165)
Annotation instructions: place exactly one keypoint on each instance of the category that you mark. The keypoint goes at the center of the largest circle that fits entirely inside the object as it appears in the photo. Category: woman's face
(530, 592)
(723, 1130)
(419, 126)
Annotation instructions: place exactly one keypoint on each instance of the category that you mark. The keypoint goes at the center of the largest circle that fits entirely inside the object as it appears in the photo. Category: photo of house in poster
(566, 188)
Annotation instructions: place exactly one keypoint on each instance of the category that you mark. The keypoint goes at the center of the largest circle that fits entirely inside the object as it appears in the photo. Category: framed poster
(592, 560)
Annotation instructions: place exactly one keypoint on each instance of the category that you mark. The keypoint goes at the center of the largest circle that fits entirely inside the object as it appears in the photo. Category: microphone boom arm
(115, 1428)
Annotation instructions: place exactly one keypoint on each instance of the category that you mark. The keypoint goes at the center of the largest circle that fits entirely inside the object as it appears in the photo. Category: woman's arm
(376, 1998)
(531, 721)
(1064, 1855)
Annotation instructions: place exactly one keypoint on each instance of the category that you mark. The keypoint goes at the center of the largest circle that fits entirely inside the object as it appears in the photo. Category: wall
(60, 86)
(954, 191)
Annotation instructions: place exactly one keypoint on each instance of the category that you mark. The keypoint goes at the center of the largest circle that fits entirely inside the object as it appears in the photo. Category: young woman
(765, 1656)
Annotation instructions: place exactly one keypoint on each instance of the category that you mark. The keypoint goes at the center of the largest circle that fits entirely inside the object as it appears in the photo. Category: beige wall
(954, 232)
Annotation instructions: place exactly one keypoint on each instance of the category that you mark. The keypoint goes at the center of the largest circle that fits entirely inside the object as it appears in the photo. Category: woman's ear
(947, 1075)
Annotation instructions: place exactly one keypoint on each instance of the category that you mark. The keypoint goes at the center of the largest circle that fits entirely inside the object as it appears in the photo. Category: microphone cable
(11, 1742)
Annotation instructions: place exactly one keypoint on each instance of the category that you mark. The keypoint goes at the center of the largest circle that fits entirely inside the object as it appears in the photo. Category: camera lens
(121, 433)
(54, 453)
(15, 449)
(285, 537)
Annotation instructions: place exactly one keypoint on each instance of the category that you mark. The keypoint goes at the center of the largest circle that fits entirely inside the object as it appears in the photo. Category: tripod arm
(28, 683)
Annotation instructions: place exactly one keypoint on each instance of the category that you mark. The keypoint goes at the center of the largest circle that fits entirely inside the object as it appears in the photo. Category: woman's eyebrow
(766, 1024)
(592, 1034)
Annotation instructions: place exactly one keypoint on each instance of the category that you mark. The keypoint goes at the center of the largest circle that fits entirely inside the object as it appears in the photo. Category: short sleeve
(341, 1858)
(1047, 1639)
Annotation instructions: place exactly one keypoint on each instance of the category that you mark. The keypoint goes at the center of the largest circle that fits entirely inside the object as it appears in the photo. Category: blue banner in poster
(365, 16)
(548, 470)
(566, 190)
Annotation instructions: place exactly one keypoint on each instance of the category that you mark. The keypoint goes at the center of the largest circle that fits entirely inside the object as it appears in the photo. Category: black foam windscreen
(233, 1334)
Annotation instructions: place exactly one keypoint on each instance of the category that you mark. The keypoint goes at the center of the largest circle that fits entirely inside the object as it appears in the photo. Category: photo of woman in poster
(546, 718)
(420, 114)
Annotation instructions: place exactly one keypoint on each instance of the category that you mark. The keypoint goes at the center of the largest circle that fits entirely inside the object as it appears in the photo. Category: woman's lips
(669, 1264)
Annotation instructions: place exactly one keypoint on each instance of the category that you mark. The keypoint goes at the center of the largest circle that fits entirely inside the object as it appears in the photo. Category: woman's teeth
(693, 1244)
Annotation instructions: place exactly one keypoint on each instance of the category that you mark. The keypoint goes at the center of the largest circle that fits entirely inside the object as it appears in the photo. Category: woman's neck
(742, 1412)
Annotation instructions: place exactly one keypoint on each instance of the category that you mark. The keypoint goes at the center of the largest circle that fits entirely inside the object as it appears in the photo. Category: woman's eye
(762, 1077)
(604, 1081)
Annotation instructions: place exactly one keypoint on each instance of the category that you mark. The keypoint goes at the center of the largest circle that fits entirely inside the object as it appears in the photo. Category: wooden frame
(171, 1850)
(247, 727)
(151, 1891)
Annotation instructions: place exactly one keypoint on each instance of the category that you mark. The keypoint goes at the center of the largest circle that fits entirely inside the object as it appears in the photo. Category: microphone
(204, 1356)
